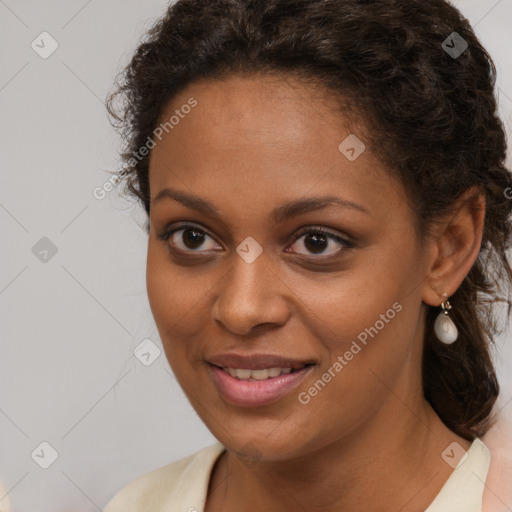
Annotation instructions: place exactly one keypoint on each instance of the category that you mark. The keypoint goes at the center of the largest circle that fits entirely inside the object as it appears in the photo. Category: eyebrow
(279, 214)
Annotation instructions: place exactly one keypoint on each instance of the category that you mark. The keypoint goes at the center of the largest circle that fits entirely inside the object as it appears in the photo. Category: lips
(248, 381)
(256, 361)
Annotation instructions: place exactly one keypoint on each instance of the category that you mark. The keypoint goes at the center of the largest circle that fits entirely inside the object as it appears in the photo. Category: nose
(252, 298)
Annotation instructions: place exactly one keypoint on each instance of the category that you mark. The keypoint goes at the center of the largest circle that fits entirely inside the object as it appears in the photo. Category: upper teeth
(244, 374)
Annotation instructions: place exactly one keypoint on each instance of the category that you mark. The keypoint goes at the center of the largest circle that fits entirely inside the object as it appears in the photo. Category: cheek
(364, 341)
(173, 291)
(180, 304)
(162, 287)
(339, 307)
(170, 295)
(361, 316)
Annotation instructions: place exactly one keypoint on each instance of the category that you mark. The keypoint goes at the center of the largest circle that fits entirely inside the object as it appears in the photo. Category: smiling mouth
(260, 386)
(259, 375)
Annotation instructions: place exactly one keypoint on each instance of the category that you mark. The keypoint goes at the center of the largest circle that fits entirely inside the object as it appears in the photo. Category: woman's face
(249, 283)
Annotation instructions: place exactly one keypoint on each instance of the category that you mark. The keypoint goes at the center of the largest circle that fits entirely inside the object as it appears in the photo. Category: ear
(454, 246)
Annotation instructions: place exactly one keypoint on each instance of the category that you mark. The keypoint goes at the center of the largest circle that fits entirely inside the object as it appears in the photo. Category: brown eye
(192, 238)
(317, 241)
(189, 238)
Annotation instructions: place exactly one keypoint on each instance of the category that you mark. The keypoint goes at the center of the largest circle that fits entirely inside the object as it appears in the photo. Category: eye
(189, 238)
(313, 240)
(318, 241)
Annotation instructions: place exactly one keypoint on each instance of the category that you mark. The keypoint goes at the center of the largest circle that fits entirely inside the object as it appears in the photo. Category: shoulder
(152, 491)
(465, 487)
(5, 504)
(499, 440)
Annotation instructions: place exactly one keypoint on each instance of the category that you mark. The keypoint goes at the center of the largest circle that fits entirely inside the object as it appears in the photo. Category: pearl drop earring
(445, 329)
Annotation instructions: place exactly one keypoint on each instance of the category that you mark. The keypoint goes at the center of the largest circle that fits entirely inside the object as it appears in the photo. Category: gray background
(69, 325)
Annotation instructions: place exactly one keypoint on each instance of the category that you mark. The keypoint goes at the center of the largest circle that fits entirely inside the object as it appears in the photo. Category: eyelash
(347, 244)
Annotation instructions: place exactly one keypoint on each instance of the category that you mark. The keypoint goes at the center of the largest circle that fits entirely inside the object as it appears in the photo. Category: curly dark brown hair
(433, 119)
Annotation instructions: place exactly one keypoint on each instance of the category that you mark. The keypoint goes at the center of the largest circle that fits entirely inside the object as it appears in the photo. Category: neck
(395, 451)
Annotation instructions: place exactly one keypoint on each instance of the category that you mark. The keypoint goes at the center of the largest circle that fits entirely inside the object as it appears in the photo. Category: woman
(328, 218)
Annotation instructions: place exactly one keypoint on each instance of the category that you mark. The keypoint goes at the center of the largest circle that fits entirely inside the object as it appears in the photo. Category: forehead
(277, 109)
(262, 137)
